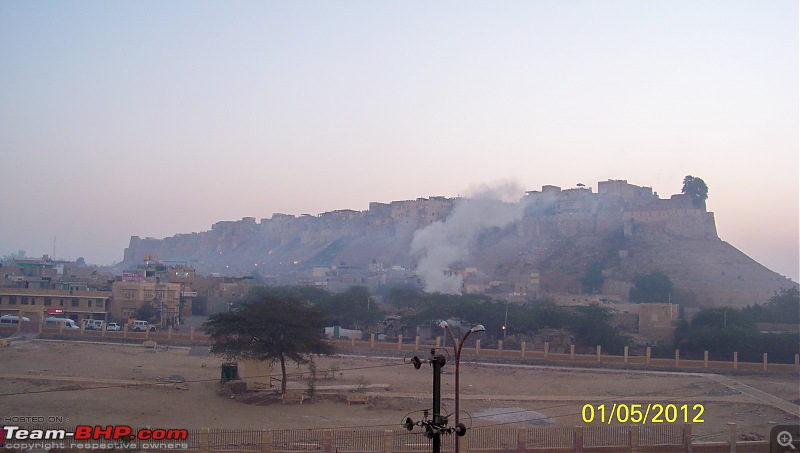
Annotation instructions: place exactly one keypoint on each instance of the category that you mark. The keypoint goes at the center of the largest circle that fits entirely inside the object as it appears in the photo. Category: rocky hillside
(541, 245)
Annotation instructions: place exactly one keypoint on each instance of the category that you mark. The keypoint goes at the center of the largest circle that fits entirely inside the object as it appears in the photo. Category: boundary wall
(599, 358)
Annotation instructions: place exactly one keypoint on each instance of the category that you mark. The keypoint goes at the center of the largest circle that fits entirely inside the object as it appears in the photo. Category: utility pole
(461, 429)
(436, 426)
(437, 362)
(505, 323)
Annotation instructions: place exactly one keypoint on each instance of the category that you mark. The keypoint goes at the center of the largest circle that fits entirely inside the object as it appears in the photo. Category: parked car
(11, 320)
(93, 324)
(65, 323)
(114, 326)
(142, 326)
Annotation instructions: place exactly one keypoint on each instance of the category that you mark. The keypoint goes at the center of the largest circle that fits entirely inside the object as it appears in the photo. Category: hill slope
(541, 245)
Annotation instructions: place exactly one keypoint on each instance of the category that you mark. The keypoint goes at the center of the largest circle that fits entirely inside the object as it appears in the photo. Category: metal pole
(505, 323)
(457, 351)
(438, 363)
(457, 355)
(458, 361)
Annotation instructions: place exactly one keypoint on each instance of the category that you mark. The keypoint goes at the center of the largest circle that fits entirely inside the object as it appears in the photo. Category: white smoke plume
(443, 243)
(508, 191)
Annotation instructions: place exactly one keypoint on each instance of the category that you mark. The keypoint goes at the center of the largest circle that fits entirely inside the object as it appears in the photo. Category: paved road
(760, 395)
(747, 394)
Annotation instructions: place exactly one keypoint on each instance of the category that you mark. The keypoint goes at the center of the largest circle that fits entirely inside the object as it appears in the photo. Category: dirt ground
(91, 383)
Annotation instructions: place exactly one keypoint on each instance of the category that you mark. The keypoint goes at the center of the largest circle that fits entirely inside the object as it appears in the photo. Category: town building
(37, 304)
(129, 296)
(37, 288)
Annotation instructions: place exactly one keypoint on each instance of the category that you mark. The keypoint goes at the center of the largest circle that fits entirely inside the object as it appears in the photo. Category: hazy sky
(152, 118)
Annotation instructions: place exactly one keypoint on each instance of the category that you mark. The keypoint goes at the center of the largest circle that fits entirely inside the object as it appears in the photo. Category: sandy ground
(89, 383)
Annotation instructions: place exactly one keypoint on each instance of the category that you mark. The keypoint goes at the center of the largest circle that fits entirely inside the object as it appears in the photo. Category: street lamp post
(457, 350)
(505, 323)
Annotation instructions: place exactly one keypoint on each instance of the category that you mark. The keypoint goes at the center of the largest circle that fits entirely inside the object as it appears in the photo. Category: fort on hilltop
(545, 252)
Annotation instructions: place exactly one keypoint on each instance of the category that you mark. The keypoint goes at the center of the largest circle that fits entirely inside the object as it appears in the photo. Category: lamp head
(417, 362)
(478, 328)
(443, 324)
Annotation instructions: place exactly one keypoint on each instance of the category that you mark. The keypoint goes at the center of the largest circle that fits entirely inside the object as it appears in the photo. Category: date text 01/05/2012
(642, 413)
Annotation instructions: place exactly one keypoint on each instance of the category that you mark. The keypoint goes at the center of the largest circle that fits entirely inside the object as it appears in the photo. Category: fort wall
(564, 213)
(681, 223)
(559, 231)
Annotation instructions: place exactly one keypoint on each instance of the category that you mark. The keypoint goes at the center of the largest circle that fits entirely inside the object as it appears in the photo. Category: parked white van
(93, 324)
(11, 320)
(60, 322)
(142, 326)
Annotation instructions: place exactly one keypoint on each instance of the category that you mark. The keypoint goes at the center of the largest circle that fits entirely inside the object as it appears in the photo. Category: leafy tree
(783, 307)
(353, 308)
(405, 299)
(471, 308)
(147, 312)
(592, 326)
(721, 331)
(309, 294)
(652, 287)
(549, 315)
(270, 328)
(722, 318)
(781, 347)
(697, 189)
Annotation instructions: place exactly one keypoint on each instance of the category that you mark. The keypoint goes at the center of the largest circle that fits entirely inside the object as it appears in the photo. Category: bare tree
(270, 328)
